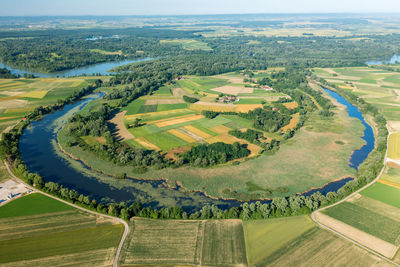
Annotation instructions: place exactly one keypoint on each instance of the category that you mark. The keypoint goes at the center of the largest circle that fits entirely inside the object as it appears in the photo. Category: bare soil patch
(234, 90)
(118, 122)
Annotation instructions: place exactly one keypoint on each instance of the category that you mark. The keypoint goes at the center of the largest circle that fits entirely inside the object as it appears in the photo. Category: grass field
(206, 243)
(384, 193)
(37, 230)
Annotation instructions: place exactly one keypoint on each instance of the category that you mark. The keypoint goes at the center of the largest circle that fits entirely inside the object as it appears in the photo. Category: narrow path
(126, 230)
(346, 198)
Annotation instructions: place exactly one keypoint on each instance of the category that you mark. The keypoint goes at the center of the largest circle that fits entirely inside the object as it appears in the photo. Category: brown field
(244, 108)
(291, 105)
(163, 101)
(172, 153)
(182, 135)
(142, 141)
(122, 133)
(372, 242)
(234, 90)
(293, 123)
(225, 138)
(197, 131)
(177, 120)
(346, 87)
(7, 118)
(200, 106)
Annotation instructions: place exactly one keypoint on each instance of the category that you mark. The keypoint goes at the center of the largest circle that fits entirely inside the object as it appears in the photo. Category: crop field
(210, 243)
(18, 97)
(384, 193)
(293, 123)
(394, 146)
(317, 247)
(51, 233)
(264, 237)
(378, 87)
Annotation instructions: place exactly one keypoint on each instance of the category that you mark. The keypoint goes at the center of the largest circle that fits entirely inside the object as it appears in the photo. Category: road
(126, 230)
(346, 198)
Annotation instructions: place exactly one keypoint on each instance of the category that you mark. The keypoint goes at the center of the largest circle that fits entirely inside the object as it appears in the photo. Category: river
(41, 154)
(393, 60)
(101, 68)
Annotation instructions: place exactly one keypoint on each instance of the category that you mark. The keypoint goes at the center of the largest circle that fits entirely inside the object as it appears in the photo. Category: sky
(182, 7)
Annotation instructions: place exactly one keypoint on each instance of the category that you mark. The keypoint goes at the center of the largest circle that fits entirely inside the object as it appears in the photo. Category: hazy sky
(167, 7)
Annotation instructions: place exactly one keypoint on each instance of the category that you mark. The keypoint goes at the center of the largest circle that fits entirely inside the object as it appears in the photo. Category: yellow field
(182, 135)
(142, 141)
(174, 121)
(225, 138)
(394, 146)
(196, 131)
(346, 87)
(392, 184)
(216, 108)
(244, 108)
(220, 129)
(34, 94)
(158, 113)
(291, 105)
(293, 123)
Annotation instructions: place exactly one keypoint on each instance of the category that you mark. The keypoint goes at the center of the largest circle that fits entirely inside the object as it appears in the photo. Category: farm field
(51, 233)
(374, 85)
(18, 97)
(188, 44)
(394, 146)
(164, 242)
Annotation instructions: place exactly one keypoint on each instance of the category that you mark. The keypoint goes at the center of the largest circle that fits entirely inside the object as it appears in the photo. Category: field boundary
(313, 215)
(126, 227)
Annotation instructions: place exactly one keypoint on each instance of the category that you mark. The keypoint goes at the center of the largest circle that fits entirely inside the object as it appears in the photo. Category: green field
(166, 107)
(383, 227)
(163, 91)
(134, 106)
(202, 84)
(165, 140)
(383, 193)
(162, 242)
(317, 247)
(188, 44)
(265, 237)
(40, 231)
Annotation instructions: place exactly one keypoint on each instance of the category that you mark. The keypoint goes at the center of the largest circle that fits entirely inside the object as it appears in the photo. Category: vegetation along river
(42, 155)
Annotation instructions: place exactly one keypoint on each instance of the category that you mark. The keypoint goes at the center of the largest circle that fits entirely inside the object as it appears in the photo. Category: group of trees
(267, 119)
(190, 99)
(211, 154)
(6, 74)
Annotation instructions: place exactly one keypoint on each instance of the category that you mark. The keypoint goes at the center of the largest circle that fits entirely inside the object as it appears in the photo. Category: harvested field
(383, 247)
(223, 243)
(163, 101)
(291, 105)
(161, 242)
(177, 120)
(120, 130)
(220, 129)
(182, 135)
(244, 108)
(394, 146)
(218, 107)
(177, 242)
(233, 90)
(145, 143)
(292, 124)
(197, 131)
(34, 94)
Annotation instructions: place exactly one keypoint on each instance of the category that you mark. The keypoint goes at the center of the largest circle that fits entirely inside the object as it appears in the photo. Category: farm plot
(384, 193)
(394, 146)
(211, 243)
(49, 233)
(201, 84)
(317, 247)
(233, 90)
(292, 124)
(264, 237)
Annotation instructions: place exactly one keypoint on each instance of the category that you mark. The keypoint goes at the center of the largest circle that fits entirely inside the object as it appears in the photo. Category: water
(359, 155)
(41, 155)
(393, 60)
(101, 68)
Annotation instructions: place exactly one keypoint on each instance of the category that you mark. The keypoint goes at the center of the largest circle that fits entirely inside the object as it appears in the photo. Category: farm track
(126, 227)
(313, 215)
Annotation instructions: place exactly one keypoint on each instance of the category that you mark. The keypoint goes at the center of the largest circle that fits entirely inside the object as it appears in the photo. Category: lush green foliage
(189, 99)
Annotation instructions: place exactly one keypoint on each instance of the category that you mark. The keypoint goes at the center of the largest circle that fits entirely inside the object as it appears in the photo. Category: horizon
(25, 8)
